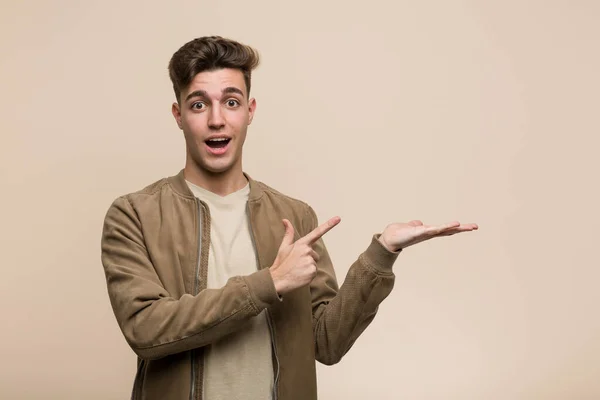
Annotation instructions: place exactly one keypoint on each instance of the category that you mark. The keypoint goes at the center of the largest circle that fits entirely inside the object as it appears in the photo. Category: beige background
(376, 111)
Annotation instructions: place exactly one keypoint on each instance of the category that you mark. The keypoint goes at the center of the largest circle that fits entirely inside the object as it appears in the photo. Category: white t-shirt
(240, 365)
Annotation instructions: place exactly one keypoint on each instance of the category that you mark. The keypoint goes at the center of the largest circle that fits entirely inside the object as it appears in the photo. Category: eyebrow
(202, 93)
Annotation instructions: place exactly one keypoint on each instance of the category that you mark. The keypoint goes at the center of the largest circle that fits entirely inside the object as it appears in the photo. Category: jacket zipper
(196, 284)
(274, 346)
(269, 317)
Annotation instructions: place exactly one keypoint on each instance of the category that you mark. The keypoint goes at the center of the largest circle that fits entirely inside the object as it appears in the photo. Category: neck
(223, 183)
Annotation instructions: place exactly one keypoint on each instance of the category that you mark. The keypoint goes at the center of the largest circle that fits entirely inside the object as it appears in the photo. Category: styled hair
(210, 53)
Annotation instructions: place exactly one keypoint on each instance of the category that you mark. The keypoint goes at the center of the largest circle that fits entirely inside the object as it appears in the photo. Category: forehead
(214, 82)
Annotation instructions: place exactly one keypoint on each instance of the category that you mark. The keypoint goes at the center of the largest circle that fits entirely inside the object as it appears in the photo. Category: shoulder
(148, 193)
(150, 190)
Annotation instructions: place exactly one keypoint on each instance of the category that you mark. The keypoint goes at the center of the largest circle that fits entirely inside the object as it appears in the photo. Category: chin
(217, 168)
(208, 164)
(218, 171)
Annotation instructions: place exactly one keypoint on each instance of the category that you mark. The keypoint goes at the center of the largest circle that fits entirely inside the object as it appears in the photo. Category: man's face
(214, 114)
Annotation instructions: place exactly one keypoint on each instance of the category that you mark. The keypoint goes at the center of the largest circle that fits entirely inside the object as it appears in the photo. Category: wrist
(277, 282)
(379, 257)
(385, 244)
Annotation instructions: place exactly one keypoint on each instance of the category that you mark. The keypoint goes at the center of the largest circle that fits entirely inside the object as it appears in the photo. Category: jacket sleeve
(341, 314)
(156, 324)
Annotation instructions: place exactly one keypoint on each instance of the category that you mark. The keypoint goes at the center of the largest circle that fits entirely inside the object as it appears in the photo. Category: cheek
(191, 124)
(240, 121)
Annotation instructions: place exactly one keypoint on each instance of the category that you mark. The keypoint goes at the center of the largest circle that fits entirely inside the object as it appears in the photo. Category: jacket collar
(181, 187)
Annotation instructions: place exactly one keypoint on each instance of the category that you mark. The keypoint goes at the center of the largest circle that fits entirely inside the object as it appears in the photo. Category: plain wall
(376, 111)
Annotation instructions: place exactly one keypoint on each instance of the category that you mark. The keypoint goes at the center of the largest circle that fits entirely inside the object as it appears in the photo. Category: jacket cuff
(262, 289)
(378, 257)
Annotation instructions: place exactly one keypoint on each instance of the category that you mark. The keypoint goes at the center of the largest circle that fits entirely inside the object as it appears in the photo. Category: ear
(251, 109)
(177, 114)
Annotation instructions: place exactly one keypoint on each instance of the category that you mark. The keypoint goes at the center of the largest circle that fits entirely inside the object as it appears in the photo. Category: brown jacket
(155, 246)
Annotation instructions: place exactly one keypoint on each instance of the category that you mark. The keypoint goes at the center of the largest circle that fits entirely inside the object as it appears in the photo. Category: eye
(233, 103)
(198, 105)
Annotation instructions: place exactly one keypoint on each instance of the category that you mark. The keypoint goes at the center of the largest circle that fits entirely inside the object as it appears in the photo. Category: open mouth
(218, 143)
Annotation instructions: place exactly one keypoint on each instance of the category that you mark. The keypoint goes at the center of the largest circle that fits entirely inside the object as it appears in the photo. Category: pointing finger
(319, 231)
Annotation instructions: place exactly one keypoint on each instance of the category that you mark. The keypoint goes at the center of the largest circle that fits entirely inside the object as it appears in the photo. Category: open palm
(401, 235)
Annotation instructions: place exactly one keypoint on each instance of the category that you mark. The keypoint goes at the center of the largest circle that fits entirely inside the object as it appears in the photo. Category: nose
(216, 121)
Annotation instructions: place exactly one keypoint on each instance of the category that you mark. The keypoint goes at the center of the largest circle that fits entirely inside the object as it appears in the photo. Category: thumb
(288, 237)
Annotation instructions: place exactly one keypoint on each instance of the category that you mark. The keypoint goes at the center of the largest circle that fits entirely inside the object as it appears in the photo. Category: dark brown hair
(209, 53)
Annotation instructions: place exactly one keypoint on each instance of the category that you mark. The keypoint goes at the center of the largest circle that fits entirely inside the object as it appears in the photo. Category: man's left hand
(399, 236)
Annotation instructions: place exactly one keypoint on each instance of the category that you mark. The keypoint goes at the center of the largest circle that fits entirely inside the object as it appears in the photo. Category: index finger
(319, 231)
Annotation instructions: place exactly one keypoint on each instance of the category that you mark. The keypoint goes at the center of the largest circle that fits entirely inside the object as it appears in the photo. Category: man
(221, 285)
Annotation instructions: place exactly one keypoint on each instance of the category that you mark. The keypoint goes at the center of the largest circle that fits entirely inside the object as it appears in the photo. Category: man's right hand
(296, 262)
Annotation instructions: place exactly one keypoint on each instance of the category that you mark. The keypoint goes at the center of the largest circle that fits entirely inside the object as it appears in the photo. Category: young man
(221, 285)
